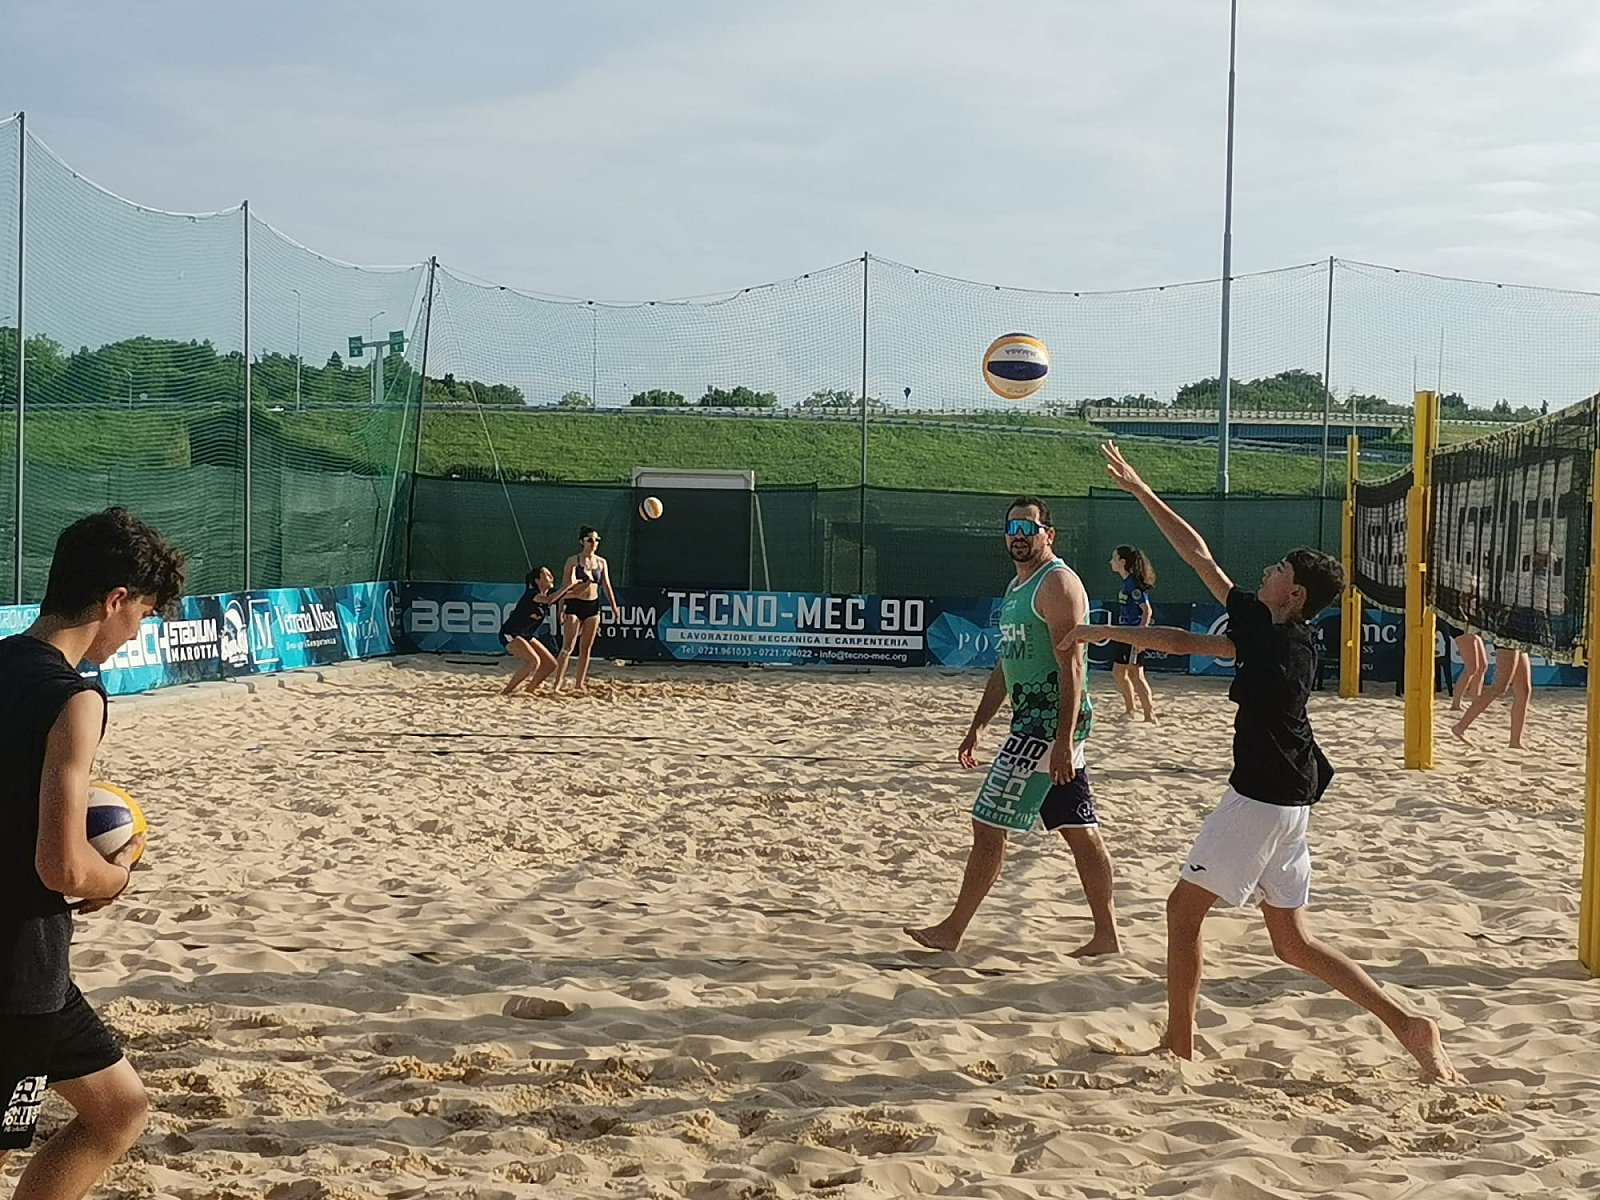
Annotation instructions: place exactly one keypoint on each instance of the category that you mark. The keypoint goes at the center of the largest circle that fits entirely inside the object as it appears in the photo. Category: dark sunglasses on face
(1022, 527)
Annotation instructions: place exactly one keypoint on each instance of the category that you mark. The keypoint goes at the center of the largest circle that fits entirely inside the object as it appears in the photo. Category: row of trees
(146, 369)
(1301, 391)
(150, 370)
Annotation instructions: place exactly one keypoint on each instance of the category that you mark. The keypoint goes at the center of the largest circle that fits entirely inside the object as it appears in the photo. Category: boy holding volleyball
(110, 571)
(1253, 846)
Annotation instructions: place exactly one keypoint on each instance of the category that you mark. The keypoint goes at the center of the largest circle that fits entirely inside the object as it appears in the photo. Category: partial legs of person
(1521, 684)
(987, 855)
(1141, 691)
(1119, 673)
(591, 627)
(544, 668)
(1294, 945)
(1503, 670)
(1474, 666)
(1187, 907)
(112, 1109)
(522, 649)
(1094, 872)
(569, 640)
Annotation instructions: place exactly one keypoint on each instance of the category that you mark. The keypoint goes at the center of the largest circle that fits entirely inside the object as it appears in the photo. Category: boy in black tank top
(110, 571)
(1253, 847)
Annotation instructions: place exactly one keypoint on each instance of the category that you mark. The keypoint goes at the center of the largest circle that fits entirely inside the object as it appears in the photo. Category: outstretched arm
(1191, 547)
(1168, 639)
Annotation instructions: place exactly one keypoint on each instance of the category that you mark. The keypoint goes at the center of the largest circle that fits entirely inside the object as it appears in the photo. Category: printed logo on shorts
(1195, 869)
(1019, 757)
(22, 1110)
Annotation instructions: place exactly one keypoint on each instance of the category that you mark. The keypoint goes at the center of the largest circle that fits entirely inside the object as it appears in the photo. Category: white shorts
(1247, 850)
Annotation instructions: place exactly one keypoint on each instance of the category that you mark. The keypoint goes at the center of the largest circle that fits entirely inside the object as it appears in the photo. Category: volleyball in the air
(1015, 366)
(114, 819)
(650, 509)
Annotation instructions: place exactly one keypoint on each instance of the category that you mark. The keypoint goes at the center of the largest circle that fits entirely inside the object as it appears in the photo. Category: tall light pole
(1227, 263)
(296, 292)
(377, 359)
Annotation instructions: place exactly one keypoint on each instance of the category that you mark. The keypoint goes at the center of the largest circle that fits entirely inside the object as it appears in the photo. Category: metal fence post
(249, 522)
(861, 562)
(22, 338)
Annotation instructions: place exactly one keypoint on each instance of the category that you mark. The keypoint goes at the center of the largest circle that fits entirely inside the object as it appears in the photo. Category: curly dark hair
(1138, 565)
(107, 550)
(1320, 574)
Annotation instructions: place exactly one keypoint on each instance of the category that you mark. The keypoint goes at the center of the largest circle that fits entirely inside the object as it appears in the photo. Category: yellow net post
(1419, 617)
(1350, 600)
(1589, 901)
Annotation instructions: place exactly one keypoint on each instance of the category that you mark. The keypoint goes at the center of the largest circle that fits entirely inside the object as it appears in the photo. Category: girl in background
(1133, 608)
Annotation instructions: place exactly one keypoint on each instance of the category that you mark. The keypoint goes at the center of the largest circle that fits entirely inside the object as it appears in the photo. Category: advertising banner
(243, 633)
(279, 629)
(680, 625)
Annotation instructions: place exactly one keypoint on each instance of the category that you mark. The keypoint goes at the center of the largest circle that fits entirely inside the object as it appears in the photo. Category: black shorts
(38, 1049)
(1070, 805)
(582, 609)
(1121, 652)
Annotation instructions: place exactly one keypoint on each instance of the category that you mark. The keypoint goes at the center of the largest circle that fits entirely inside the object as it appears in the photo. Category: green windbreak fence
(266, 405)
(144, 332)
(809, 539)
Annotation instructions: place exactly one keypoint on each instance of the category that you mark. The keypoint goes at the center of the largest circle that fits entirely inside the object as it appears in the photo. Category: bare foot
(1420, 1037)
(1516, 745)
(1460, 734)
(1150, 719)
(934, 937)
(1098, 946)
(1165, 1046)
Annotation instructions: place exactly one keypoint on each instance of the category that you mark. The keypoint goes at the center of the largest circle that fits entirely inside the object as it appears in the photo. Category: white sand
(647, 944)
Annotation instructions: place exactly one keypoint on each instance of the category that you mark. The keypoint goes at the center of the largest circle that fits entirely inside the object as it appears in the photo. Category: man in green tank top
(1038, 775)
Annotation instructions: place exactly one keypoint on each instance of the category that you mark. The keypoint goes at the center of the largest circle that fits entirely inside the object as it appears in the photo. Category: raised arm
(1191, 547)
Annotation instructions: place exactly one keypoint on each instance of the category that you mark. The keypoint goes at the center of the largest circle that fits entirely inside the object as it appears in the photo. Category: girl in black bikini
(584, 575)
(519, 634)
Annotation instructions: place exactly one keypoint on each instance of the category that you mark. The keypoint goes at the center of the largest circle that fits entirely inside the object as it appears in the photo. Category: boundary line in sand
(239, 689)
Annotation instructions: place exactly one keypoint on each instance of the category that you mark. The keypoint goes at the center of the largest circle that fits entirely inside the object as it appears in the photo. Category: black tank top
(35, 924)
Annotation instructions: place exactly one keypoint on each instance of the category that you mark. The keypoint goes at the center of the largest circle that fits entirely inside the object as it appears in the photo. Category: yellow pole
(1350, 603)
(1419, 617)
(1589, 900)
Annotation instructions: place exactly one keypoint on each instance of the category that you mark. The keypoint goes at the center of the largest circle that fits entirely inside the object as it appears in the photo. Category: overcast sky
(625, 150)
(633, 149)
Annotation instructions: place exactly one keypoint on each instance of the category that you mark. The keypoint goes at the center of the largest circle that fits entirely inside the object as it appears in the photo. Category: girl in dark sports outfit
(1133, 608)
(520, 632)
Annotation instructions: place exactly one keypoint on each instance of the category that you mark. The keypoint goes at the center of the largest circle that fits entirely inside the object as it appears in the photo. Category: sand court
(403, 937)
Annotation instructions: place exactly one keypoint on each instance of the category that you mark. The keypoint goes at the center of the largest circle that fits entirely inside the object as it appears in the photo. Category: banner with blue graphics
(664, 625)
(679, 625)
(243, 633)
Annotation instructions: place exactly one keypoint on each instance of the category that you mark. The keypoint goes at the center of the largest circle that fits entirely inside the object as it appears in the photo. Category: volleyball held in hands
(114, 819)
(1015, 366)
(650, 508)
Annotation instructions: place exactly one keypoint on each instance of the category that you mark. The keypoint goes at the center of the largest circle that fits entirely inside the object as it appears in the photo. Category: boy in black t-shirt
(110, 571)
(1253, 846)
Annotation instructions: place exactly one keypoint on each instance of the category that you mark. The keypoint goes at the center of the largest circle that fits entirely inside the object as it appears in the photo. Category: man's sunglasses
(1022, 527)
